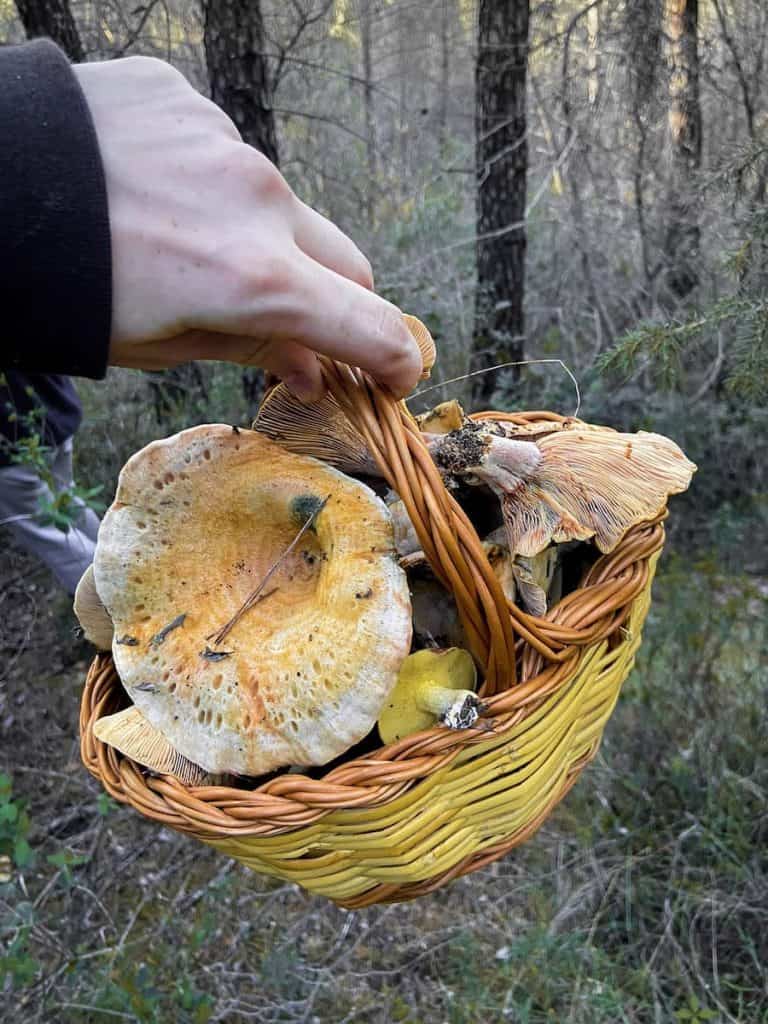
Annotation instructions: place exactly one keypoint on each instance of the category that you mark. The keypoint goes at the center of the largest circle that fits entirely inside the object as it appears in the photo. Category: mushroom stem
(458, 709)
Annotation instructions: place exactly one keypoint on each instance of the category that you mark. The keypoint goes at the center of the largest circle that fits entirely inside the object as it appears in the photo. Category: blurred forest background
(543, 180)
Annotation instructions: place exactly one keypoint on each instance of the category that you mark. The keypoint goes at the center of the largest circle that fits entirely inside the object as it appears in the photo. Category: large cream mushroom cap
(198, 521)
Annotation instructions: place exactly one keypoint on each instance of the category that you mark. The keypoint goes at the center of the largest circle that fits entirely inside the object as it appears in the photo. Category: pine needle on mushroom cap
(198, 521)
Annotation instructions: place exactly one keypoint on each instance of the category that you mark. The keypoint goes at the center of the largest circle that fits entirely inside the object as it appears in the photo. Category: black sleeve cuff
(55, 250)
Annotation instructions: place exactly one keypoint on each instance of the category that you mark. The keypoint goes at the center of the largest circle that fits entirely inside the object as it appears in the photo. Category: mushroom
(502, 564)
(534, 577)
(91, 614)
(554, 485)
(425, 342)
(321, 429)
(406, 541)
(527, 581)
(263, 614)
(444, 418)
(129, 732)
(436, 619)
(568, 485)
(433, 686)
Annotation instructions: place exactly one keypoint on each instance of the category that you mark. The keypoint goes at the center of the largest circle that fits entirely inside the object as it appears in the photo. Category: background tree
(238, 69)
(501, 160)
(241, 84)
(52, 18)
(681, 245)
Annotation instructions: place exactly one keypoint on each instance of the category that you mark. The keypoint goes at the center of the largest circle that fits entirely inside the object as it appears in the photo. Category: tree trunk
(593, 54)
(366, 42)
(241, 85)
(681, 246)
(52, 18)
(238, 71)
(501, 160)
(445, 74)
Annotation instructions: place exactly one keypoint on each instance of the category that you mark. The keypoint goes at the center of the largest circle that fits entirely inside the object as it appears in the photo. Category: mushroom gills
(556, 485)
(425, 341)
(129, 732)
(433, 686)
(91, 614)
(320, 430)
(570, 485)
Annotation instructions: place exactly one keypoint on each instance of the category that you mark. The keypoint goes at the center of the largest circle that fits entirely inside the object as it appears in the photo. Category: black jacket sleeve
(55, 254)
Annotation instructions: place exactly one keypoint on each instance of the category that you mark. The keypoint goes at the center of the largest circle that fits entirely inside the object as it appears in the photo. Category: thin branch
(133, 36)
(286, 112)
(348, 75)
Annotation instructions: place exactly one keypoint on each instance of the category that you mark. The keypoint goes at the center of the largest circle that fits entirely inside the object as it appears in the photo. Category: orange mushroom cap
(198, 521)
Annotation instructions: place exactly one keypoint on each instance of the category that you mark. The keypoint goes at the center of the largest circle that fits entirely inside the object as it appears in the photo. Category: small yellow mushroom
(444, 418)
(91, 614)
(432, 686)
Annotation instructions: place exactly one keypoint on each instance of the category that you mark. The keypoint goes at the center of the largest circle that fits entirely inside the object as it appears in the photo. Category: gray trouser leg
(68, 554)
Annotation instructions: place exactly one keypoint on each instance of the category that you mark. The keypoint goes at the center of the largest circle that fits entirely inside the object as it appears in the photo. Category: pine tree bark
(501, 161)
(681, 246)
(366, 44)
(52, 18)
(446, 17)
(238, 70)
(593, 54)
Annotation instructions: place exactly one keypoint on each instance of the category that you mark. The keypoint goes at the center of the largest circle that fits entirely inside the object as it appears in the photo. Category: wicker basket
(413, 815)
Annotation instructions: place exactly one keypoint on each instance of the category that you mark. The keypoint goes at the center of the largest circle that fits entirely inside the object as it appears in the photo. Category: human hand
(214, 257)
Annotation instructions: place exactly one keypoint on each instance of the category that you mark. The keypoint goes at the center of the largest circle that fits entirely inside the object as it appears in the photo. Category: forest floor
(643, 899)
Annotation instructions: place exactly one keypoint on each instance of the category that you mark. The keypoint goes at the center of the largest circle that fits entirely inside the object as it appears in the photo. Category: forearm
(55, 257)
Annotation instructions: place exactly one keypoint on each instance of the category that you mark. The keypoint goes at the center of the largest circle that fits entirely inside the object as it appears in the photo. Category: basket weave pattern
(411, 816)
